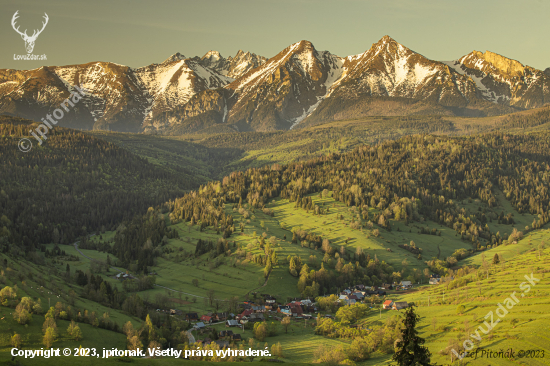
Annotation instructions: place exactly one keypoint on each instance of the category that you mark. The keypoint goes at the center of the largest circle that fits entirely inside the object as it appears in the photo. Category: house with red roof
(206, 319)
(245, 313)
(295, 308)
(387, 304)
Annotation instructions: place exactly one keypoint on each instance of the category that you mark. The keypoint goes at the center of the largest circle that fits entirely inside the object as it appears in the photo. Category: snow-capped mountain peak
(212, 56)
(175, 57)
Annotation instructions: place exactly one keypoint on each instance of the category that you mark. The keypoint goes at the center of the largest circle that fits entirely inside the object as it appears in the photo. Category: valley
(360, 183)
(292, 215)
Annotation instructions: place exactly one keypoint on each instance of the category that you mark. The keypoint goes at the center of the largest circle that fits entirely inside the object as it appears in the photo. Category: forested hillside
(72, 185)
(412, 179)
(213, 153)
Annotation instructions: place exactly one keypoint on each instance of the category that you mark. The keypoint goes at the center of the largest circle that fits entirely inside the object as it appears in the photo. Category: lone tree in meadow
(410, 350)
(496, 259)
(286, 323)
(49, 337)
(16, 340)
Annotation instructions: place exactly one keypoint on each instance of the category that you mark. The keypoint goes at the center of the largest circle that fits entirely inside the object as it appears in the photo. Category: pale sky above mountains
(138, 33)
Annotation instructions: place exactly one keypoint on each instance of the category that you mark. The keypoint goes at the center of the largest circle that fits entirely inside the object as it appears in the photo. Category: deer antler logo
(29, 41)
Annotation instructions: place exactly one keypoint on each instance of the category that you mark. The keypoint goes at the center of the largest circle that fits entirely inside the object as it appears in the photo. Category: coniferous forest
(405, 179)
(72, 185)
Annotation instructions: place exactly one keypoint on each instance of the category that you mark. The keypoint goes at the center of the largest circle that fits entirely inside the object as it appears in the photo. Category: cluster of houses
(250, 312)
(404, 285)
(208, 318)
(358, 293)
(122, 276)
(298, 308)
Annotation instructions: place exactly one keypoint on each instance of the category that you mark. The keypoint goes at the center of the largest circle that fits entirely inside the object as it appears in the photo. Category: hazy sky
(138, 33)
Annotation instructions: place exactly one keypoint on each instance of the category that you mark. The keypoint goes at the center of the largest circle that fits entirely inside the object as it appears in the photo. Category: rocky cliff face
(389, 69)
(303, 84)
(116, 97)
(173, 83)
(276, 95)
(505, 81)
(233, 67)
(284, 90)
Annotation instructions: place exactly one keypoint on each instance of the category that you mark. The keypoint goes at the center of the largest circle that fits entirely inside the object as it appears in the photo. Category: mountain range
(298, 87)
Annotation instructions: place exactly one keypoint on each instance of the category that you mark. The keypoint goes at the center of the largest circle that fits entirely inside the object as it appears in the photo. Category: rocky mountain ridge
(298, 87)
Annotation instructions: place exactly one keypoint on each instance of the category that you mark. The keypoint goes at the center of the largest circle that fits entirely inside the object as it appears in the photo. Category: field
(232, 276)
(339, 233)
(519, 329)
(31, 335)
(176, 273)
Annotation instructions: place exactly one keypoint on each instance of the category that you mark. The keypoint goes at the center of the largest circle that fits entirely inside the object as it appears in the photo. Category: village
(266, 308)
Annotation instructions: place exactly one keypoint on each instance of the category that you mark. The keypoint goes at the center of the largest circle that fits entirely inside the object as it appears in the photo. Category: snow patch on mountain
(478, 80)
(306, 60)
(334, 76)
(249, 81)
(174, 83)
(422, 73)
(401, 70)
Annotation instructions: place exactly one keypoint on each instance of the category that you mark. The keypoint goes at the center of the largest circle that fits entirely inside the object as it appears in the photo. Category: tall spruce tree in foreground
(410, 350)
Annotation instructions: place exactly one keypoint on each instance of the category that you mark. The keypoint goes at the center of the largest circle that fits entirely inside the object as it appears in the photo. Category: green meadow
(47, 285)
(443, 323)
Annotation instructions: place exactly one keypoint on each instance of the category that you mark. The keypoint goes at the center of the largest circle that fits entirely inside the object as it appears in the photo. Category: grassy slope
(532, 312)
(32, 335)
(299, 345)
(227, 281)
(55, 285)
